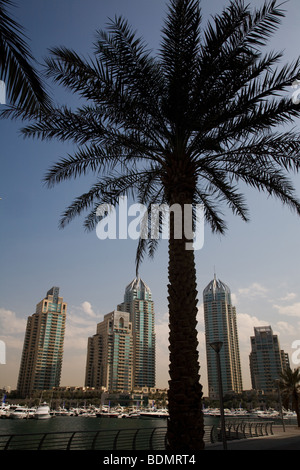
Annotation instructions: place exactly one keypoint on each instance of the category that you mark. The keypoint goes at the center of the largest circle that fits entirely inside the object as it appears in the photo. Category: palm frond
(145, 247)
(179, 55)
(212, 213)
(197, 120)
(215, 181)
(228, 58)
(263, 175)
(122, 81)
(107, 190)
(262, 24)
(92, 158)
(76, 74)
(24, 86)
(65, 125)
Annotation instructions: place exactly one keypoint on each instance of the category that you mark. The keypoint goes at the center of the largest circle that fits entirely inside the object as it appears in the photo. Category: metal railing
(124, 439)
(245, 429)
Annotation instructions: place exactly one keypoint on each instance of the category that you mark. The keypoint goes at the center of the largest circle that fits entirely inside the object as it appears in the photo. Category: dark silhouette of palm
(289, 384)
(183, 127)
(23, 85)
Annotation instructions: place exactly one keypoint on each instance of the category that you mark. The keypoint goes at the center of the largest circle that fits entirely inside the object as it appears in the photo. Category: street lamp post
(280, 404)
(216, 346)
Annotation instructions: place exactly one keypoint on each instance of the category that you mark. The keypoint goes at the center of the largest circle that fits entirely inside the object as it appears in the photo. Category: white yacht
(61, 412)
(154, 414)
(134, 414)
(289, 414)
(42, 411)
(31, 412)
(20, 412)
(4, 411)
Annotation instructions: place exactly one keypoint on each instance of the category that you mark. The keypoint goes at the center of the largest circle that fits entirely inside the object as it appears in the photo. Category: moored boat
(31, 412)
(5, 411)
(154, 414)
(42, 412)
(134, 414)
(20, 412)
(108, 414)
(289, 414)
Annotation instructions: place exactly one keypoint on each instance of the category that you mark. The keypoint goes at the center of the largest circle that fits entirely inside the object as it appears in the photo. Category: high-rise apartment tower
(139, 304)
(42, 355)
(221, 325)
(267, 360)
(110, 354)
(121, 355)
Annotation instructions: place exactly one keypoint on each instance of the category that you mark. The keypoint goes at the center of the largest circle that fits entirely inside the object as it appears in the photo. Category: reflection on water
(74, 423)
(82, 423)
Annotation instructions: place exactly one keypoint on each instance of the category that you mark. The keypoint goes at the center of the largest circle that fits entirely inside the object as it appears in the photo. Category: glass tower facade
(267, 360)
(42, 354)
(221, 325)
(121, 356)
(139, 304)
(110, 354)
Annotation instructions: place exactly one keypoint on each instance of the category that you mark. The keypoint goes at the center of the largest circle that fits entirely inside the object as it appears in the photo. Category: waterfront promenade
(280, 440)
(104, 434)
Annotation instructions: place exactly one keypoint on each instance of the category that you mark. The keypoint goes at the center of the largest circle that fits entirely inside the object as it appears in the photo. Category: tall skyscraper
(42, 355)
(121, 355)
(139, 304)
(221, 325)
(110, 354)
(267, 360)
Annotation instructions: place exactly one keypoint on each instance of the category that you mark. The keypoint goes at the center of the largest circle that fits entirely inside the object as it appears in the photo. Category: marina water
(74, 423)
(84, 423)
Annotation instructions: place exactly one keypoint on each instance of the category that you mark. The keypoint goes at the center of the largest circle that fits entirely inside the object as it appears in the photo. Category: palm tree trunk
(185, 426)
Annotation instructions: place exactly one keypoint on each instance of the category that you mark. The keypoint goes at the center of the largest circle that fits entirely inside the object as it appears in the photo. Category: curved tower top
(215, 287)
(137, 285)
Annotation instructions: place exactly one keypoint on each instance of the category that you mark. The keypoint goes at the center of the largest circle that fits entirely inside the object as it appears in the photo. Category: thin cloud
(285, 328)
(288, 297)
(10, 324)
(289, 310)
(254, 290)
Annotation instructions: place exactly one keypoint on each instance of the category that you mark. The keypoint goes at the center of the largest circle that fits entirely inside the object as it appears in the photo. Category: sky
(258, 260)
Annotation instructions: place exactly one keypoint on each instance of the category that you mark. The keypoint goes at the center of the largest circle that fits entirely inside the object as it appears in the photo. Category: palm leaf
(188, 126)
(24, 86)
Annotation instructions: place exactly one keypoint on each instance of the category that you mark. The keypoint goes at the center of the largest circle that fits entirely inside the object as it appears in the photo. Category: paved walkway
(280, 440)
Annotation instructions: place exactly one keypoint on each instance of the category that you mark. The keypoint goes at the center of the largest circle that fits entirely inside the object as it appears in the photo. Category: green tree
(23, 84)
(186, 126)
(289, 384)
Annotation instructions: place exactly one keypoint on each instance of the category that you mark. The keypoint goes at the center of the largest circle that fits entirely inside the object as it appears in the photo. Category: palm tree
(25, 89)
(184, 127)
(289, 384)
